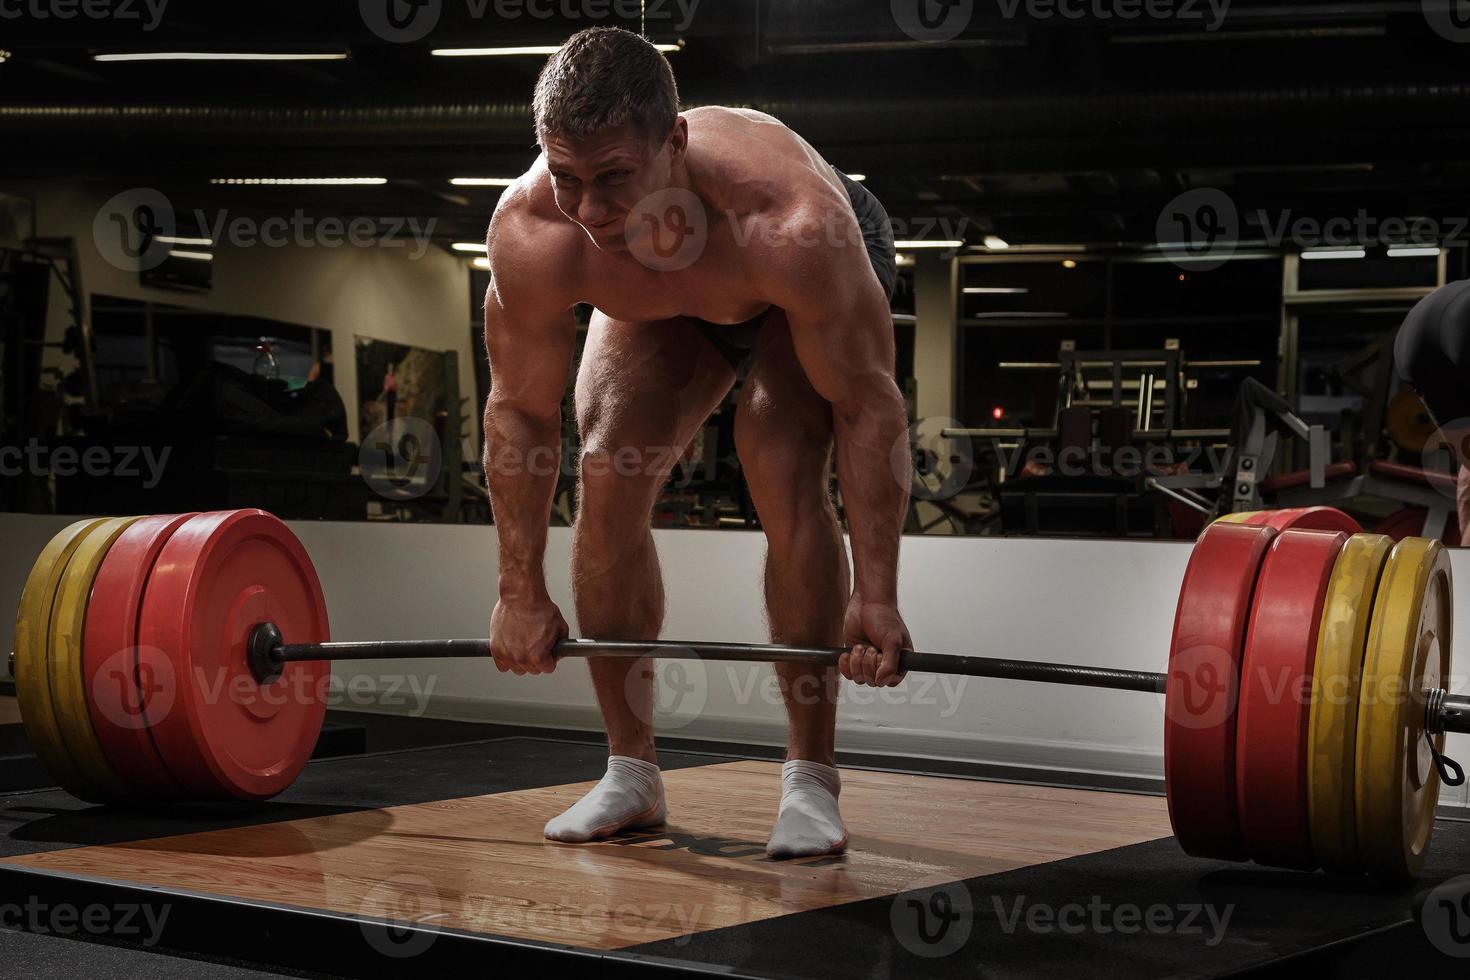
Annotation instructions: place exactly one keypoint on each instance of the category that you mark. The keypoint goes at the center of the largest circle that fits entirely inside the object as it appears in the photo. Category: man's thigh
(644, 388)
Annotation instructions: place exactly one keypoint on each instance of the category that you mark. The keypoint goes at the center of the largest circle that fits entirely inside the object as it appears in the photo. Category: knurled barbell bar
(184, 657)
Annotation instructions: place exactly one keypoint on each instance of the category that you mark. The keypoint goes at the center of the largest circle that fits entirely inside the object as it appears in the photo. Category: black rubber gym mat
(1076, 917)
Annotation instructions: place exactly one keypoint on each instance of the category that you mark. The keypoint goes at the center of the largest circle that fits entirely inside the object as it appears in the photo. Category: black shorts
(736, 341)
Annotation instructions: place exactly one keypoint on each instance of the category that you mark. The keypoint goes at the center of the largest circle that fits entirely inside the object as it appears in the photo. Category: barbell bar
(1444, 712)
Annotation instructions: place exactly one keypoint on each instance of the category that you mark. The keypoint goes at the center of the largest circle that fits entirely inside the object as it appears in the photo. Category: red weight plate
(128, 687)
(1203, 688)
(1273, 752)
(218, 576)
(1306, 519)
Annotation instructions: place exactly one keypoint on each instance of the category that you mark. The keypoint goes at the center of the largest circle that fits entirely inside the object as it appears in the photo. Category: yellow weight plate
(1239, 516)
(1333, 728)
(1408, 653)
(68, 686)
(33, 646)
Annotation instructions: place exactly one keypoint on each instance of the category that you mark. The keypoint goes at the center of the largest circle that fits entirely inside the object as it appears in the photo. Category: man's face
(598, 180)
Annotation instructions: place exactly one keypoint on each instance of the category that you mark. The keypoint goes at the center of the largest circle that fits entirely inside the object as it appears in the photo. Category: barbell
(184, 657)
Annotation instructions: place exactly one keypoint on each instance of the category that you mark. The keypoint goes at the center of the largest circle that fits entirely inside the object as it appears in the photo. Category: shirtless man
(710, 243)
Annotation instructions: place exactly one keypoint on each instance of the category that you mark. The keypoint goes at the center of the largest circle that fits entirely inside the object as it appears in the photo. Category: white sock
(809, 822)
(631, 794)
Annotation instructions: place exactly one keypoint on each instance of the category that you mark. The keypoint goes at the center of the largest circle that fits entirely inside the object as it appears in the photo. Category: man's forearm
(875, 491)
(522, 459)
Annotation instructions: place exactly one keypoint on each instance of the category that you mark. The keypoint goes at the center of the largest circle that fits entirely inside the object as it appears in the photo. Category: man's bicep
(530, 354)
(843, 340)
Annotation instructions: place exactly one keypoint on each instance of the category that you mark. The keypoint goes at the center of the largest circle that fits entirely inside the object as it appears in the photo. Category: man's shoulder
(526, 230)
(525, 207)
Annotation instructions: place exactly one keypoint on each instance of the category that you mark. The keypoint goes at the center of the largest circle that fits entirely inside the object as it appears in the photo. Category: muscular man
(1432, 352)
(709, 243)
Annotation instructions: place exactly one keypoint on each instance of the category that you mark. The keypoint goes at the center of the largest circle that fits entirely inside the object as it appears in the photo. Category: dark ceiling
(1037, 128)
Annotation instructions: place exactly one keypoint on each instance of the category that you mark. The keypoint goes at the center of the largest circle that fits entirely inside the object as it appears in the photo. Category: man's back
(760, 191)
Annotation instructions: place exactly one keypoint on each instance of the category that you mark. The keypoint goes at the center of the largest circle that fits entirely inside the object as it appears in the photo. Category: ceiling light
(469, 247)
(1412, 251)
(857, 178)
(221, 56)
(995, 241)
(929, 243)
(482, 181)
(193, 256)
(481, 263)
(996, 290)
(175, 240)
(530, 49)
(1335, 253)
(301, 181)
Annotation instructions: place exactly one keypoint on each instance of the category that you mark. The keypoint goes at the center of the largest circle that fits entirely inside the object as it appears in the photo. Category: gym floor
(434, 851)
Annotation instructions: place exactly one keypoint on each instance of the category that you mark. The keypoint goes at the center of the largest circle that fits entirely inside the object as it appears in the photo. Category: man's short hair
(603, 78)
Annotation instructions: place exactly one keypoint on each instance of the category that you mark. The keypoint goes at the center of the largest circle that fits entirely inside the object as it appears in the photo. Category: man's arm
(530, 337)
(530, 359)
(842, 330)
